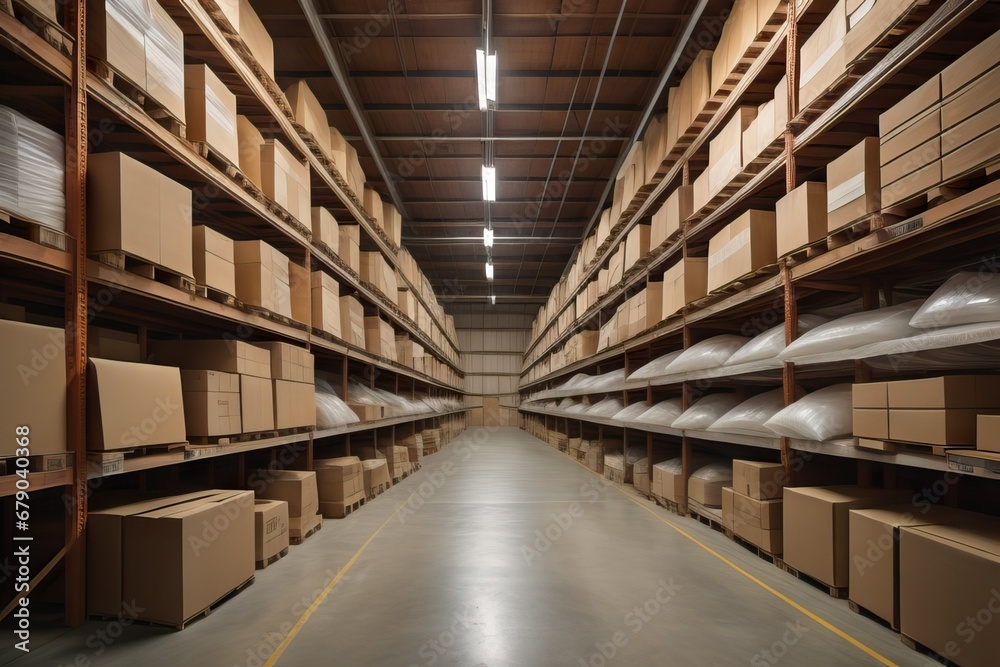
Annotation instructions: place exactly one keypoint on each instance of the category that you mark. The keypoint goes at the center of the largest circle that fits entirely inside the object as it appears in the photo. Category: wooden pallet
(36, 232)
(914, 645)
(197, 442)
(751, 547)
(861, 611)
(191, 619)
(840, 593)
(946, 191)
(37, 463)
(274, 317)
(219, 161)
(668, 505)
(378, 490)
(350, 509)
(893, 447)
(262, 564)
(295, 541)
(701, 514)
(137, 95)
(123, 261)
(43, 26)
(206, 292)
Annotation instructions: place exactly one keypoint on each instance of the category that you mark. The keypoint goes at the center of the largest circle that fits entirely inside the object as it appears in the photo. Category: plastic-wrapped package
(822, 415)
(578, 407)
(565, 404)
(609, 407)
(165, 61)
(965, 298)
(32, 170)
(632, 412)
(671, 466)
(663, 413)
(715, 472)
(710, 353)
(574, 381)
(851, 331)
(749, 417)
(769, 344)
(706, 411)
(634, 454)
(656, 367)
(331, 411)
(608, 382)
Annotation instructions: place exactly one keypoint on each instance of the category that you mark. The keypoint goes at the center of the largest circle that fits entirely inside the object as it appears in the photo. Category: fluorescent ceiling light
(493, 299)
(488, 238)
(489, 183)
(489, 270)
(486, 78)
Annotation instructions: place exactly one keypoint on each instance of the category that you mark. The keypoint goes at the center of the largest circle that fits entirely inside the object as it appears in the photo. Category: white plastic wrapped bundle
(32, 170)
(358, 393)
(574, 381)
(656, 367)
(565, 404)
(671, 466)
(851, 331)
(609, 407)
(706, 411)
(632, 412)
(749, 417)
(607, 382)
(769, 344)
(715, 472)
(710, 353)
(822, 415)
(165, 61)
(663, 413)
(965, 298)
(634, 454)
(578, 407)
(331, 411)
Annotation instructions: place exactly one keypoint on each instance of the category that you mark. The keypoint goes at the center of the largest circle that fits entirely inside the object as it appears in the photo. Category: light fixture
(493, 299)
(486, 76)
(489, 183)
(489, 270)
(488, 237)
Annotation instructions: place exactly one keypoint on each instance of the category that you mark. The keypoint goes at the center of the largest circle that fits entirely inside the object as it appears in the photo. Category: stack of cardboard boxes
(214, 257)
(742, 247)
(299, 490)
(345, 159)
(377, 271)
(686, 102)
(210, 109)
(285, 179)
(325, 304)
(293, 376)
(270, 529)
(684, 282)
(262, 277)
(352, 321)
(753, 508)
(211, 403)
(341, 484)
(746, 21)
(667, 220)
(853, 185)
(243, 21)
(380, 338)
(376, 477)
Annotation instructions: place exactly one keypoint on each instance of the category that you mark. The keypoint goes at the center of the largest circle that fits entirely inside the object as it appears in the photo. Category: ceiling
(572, 91)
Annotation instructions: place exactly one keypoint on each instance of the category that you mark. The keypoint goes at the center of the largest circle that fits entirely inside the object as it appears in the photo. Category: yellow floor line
(273, 660)
(781, 596)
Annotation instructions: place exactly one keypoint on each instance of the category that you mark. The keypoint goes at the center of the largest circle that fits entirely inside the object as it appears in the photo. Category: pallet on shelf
(296, 540)
(43, 26)
(268, 314)
(36, 232)
(896, 446)
(206, 292)
(115, 79)
(123, 261)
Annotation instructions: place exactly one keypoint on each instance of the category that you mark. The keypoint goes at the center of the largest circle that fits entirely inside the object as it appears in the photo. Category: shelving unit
(887, 256)
(65, 285)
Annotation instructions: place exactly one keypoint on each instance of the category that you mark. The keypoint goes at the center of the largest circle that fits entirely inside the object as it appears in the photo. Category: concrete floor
(502, 551)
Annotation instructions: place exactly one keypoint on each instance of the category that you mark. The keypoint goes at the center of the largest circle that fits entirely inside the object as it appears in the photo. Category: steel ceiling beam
(525, 137)
(469, 74)
(504, 108)
(478, 240)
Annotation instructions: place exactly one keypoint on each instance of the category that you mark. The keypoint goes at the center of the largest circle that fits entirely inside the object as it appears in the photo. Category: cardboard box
(911, 159)
(170, 572)
(816, 527)
(800, 217)
(112, 344)
(871, 423)
(325, 294)
(366, 412)
(944, 578)
(671, 485)
(211, 403)
(728, 509)
(294, 404)
(871, 23)
(988, 433)
(308, 112)
(133, 405)
(210, 109)
(290, 362)
(250, 141)
(978, 60)
(350, 246)
(213, 260)
(853, 185)
(262, 277)
(823, 57)
(135, 209)
(935, 427)
(373, 205)
(118, 38)
(765, 514)
(725, 151)
(230, 356)
(950, 391)
(636, 245)
(874, 552)
(758, 480)
(684, 282)
(376, 476)
(256, 404)
(164, 47)
(300, 291)
(870, 395)
(706, 493)
(352, 321)
(742, 247)
(270, 528)
(668, 219)
(339, 479)
(33, 374)
(380, 338)
(925, 97)
(255, 36)
(654, 143)
(339, 509)
(285, 179)
(325, 229)
(297, 488)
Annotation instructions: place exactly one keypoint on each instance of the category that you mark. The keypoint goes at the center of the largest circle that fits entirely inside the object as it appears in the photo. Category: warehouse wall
(492, 350)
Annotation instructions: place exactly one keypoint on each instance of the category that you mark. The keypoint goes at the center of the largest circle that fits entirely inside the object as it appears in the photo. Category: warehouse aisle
(502, 551)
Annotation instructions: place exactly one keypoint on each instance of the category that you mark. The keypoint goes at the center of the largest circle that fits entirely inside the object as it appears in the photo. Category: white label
(846, 192)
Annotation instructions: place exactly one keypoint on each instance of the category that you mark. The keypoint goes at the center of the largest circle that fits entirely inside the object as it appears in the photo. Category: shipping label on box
(854, 185)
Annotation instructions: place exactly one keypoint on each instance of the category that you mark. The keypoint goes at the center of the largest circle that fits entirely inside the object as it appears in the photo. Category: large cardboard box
(339, 479)
(255, 36)
(211, 403)
(874, 552)
(988, 433)
(823, 58)
(636, 245)
(230, 356)
(350, 245)
(800, 217)
(759, 480)
(853, 185)
(816, 527)
(684, 282)
(290, 362)
(945, 579)
(295, 487)
(294, 404)
(668, 219)
(33, 382)
(135, 209)
(373, 205)
(758, 521)
(250, 141)
(210, 108)
(949, 391)
(871, 423)
(671, 486)
(308, 112)
(911, 159)
(262, 277)
(164, 47)
(300, 291)
(133, 405)
(256, 404)
(270, 528)
(171, 571)
(352, 321)
(325, 293)
(380, 338)
(376, 476)
(706, 493)
(725, 151)
(744, 246)
(870, 395)
(870, 23)
(936, 427)
(213, 260)
(325, 229)
(285, 179)
(118, 37)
